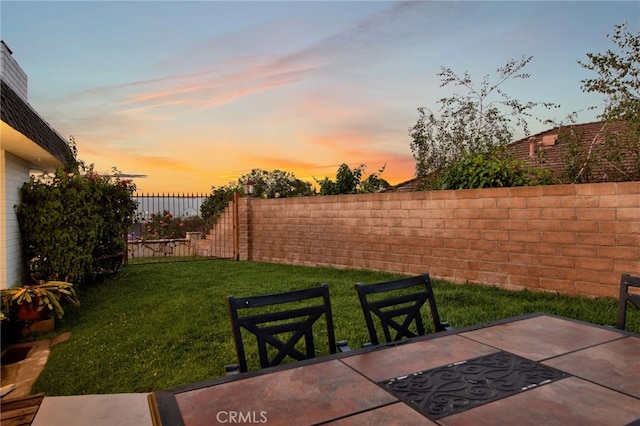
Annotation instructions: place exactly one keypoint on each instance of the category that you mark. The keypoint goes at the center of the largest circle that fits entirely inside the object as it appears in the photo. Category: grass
(152, 327)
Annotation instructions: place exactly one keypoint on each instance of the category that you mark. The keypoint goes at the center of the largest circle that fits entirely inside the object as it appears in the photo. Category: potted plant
(34, 302)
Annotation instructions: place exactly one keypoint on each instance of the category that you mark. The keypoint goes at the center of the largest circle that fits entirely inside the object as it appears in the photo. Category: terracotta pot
(29, 311)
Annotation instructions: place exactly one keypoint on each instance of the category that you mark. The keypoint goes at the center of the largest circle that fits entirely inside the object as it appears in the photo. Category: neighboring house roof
(406, 186)
(546, 149)
(17, 113)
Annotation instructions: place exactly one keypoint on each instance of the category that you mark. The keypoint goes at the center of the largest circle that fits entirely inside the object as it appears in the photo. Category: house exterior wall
(27, 142)
(14, 172)
(570, 239)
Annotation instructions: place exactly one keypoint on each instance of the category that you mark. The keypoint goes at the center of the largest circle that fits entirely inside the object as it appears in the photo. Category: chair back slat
(627, 297)
(396, 314)
(268, 328)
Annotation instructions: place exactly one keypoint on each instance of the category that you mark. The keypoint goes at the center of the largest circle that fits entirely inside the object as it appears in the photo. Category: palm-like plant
(49, 295)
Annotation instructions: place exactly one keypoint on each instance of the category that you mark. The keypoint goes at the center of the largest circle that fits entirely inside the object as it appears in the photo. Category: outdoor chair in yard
(401, 309)
(627, 282)
(280, 333)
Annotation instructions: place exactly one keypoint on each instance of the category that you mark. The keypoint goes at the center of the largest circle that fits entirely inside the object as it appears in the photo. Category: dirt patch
(13, 355)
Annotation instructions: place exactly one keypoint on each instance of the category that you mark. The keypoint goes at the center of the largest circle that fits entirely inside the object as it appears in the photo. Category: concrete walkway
(123, 409)
(91, 410)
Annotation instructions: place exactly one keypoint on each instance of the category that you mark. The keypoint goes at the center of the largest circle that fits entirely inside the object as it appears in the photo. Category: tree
(374, 183)
(276, 184)
(619, 81)
(349, 181)
(470, 124)
(265, 184)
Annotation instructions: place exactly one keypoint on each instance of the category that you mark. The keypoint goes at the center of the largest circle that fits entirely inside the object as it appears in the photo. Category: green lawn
(151, 327)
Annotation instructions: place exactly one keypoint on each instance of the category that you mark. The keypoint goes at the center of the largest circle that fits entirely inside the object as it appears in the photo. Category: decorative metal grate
(443, 391)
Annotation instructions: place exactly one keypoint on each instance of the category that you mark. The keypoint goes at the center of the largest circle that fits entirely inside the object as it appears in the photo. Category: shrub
(116, 208)
(165, 225)
(72, 217)
(213, 206)
(492, 170)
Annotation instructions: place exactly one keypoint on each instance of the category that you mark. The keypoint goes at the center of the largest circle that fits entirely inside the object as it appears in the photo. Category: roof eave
(22, 128)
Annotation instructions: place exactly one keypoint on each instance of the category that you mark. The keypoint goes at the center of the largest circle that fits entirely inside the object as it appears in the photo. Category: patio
(595, 363)
(565, 372)
(20, 407)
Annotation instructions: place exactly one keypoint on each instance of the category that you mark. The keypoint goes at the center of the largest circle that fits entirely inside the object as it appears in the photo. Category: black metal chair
(403, 308)
(279, 333)
(627, 281)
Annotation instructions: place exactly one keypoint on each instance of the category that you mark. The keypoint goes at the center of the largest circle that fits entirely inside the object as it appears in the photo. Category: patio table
(531, 369)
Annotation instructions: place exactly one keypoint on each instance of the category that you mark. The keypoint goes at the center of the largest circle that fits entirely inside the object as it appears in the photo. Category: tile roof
(406, 186)
(548, 148)
(19, 115)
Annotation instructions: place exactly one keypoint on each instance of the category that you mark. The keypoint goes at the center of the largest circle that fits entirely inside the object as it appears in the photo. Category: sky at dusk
(195, 94)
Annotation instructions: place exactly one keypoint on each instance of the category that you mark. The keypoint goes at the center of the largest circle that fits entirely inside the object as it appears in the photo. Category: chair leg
(343, 346)
(231, 369)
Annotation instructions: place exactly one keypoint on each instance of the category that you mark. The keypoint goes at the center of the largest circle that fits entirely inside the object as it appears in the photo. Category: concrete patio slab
(123, 409)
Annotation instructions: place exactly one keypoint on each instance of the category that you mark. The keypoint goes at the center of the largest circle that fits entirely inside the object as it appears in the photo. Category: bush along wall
(69, 219)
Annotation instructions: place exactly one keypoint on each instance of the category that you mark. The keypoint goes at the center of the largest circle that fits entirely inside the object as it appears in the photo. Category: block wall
(570, 239)
(219, 241)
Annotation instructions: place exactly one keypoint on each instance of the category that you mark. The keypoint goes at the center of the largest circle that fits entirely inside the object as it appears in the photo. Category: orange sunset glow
(186, 95)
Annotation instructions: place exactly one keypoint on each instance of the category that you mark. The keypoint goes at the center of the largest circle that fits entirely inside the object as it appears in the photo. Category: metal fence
(170, 228)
